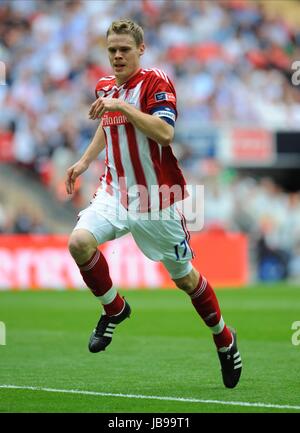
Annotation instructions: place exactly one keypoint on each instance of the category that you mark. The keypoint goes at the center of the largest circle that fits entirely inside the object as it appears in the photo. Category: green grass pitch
(163, 350)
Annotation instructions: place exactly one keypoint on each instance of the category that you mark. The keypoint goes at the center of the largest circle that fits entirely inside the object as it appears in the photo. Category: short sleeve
(161, 98)
(103, 86)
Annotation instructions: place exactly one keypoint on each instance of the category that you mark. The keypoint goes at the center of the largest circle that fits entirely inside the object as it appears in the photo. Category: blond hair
(127, 27)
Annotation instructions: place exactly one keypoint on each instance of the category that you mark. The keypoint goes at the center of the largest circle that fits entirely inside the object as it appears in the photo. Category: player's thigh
(103, 218)
(178, 251)
(166, 240)
(99, 226)
(178, 270)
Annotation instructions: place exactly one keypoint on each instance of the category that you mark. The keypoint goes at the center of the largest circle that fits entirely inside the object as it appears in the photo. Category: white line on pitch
(152, 397)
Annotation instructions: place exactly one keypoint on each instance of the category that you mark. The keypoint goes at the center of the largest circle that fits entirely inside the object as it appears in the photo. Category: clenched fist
(101, 105)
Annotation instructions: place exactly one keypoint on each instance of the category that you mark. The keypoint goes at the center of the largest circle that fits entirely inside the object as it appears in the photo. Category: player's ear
(142, 49)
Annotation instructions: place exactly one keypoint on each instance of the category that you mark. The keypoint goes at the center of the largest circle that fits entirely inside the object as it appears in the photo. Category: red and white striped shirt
(134, 162)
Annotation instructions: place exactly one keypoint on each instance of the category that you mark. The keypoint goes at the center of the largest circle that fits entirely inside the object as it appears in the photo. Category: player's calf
(206, 304)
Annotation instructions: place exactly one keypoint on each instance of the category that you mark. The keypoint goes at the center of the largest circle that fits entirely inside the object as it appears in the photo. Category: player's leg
(92, 230)
(93, 266)
(167, 240)
(207, 306)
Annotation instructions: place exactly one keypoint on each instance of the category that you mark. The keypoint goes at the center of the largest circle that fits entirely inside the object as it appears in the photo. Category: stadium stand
(231, 63)
(27, 207)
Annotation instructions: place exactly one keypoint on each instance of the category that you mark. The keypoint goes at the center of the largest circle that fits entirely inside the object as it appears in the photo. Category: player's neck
(120, 81)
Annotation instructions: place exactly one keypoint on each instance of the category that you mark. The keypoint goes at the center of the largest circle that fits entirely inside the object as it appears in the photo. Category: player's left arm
(152, 126)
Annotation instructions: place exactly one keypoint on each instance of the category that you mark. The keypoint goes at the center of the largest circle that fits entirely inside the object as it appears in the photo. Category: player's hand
(72, 173)
(101, 105)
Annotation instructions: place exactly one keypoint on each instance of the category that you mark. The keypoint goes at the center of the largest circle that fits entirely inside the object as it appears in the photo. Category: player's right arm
(95, 147)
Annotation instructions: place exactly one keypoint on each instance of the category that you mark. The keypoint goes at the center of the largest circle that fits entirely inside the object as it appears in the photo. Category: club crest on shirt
(164, 96)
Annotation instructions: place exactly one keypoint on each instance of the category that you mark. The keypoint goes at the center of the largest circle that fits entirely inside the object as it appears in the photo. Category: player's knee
(81, 245)
(189, 282)
(186, 284)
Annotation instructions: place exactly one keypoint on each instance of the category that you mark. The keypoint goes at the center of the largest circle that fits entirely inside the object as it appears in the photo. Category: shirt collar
(127, 83)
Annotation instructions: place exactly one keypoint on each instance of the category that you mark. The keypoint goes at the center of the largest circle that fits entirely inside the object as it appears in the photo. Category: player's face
(124, 56)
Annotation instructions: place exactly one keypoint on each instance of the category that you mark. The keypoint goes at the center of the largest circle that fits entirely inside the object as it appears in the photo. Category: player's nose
(118, 54)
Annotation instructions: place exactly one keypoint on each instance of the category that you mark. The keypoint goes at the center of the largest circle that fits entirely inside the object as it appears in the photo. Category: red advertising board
(43, 262)
(6, 147)
(252, 146)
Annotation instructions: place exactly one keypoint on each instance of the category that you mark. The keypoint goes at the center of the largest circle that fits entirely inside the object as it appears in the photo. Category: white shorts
(161, 236)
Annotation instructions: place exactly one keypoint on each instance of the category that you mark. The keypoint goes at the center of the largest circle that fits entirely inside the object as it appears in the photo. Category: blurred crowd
(20, 219)
(262, 210)
(219, 54)
(230, 62)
